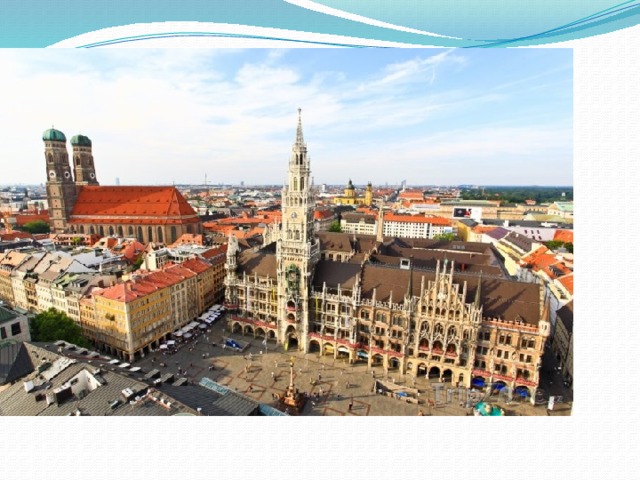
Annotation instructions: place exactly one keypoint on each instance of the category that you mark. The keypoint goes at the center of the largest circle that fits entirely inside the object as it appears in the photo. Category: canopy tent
(478, 382)
(363, 354)
(203, 326)
(193, 324)
(178, 333)
(163, 346)
(187, 335)
(171, 342)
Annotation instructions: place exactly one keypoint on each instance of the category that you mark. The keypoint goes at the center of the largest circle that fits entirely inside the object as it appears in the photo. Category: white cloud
(174, 115)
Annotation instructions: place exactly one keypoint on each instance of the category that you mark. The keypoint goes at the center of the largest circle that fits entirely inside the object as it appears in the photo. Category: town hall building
(409, 306)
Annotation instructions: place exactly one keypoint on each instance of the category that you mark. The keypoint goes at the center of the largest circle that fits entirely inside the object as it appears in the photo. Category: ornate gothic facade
(378, 300)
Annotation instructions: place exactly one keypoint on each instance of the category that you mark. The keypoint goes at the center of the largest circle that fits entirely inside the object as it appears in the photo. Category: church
(78, 204)
(408, 306)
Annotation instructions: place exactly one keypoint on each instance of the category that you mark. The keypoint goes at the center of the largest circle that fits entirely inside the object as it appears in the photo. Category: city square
(260, 372)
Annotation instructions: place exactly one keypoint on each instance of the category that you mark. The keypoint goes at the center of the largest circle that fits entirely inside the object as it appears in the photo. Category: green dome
(80, 140)
(53, 135)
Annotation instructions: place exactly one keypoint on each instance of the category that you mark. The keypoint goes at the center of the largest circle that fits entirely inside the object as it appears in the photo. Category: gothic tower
(297, 250)
(61, 191)
(84, 170)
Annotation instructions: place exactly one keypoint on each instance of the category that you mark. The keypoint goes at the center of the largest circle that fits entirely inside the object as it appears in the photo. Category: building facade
(78, 204)
(347, 297)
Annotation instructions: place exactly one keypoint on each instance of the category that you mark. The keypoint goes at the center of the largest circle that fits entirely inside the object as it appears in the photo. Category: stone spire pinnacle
(299, 136)
(476, 301)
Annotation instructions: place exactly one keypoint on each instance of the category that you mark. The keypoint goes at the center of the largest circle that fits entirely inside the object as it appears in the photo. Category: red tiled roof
(21, 219)
(567, 282)
(416, 219)
(196, 265)
(8, 237)
(413, 195)
(212, 252)
(188, 238)
(157, 205)
(532, 257)
(565, 236)
(322, 214)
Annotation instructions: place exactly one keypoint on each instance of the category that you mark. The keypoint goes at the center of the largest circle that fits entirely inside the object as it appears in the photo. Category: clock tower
(297, 250)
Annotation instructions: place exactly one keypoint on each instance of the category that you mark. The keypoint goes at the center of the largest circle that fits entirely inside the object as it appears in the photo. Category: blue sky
(430, 116)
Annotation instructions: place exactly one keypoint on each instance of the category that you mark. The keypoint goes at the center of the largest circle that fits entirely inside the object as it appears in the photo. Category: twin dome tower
(62, 184)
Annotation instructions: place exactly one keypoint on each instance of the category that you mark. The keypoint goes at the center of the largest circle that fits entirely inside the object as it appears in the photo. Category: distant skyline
(430, 116)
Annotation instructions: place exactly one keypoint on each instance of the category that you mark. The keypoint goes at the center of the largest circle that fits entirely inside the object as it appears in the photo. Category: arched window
(81, 228)
(120, 231)
(101, 231)
(174, 234)
(150, 233)
(302, 184)
(130, 231)
(452, 332)
(295, 184)
(160, 236)
(140, 234)
(91, 230)
(111, 231)
(439, 330)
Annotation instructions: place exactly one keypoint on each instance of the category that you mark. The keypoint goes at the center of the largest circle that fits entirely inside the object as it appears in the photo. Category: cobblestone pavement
(260, 372)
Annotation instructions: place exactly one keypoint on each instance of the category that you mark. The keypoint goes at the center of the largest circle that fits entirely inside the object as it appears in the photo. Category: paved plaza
(333, 386)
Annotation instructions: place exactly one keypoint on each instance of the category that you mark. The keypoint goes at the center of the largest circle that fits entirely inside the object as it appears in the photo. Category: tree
(37, 226)
(450, 237)
(54, 325)
(335, 227)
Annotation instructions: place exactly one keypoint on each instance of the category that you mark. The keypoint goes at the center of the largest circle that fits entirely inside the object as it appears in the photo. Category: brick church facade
(78, 204)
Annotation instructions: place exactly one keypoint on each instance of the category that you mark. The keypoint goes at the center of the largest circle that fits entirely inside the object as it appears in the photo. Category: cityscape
(215, 289)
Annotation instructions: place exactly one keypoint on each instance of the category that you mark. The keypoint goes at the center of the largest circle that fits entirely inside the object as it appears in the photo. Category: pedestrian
(250, 388)
(300, 370)
(273, 375)
(350, 405)
(319, 377)
(275, 363)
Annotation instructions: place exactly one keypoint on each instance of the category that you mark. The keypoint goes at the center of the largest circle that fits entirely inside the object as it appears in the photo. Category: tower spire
(476, 301)
(299, 136)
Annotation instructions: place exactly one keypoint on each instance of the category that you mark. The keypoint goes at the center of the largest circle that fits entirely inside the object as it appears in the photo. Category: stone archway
(434, 373)
(314, 346)
(291, 338)
(236, 328)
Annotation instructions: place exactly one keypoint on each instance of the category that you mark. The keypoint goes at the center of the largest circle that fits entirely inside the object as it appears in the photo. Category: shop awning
(478, 382)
